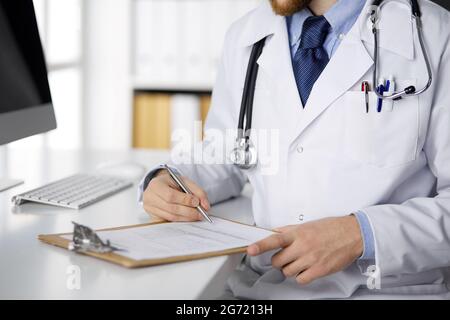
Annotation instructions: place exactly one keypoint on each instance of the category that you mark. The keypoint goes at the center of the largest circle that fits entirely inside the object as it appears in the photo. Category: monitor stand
(6, 184)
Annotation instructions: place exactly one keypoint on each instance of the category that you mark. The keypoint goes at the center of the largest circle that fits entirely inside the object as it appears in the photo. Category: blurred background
(126, 73)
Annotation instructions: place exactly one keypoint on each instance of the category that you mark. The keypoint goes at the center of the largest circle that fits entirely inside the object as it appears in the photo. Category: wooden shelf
(171, 87)
(152, 113)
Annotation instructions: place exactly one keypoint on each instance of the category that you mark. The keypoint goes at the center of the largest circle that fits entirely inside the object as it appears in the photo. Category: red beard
(288, 7)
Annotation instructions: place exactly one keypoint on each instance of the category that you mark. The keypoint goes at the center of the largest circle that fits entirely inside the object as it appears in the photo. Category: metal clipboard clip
(85, 239)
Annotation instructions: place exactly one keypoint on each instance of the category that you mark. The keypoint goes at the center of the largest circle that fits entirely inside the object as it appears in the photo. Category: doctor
(361, 197)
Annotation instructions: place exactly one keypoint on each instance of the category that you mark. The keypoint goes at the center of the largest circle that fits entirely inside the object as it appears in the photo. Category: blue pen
(388, 86)
(381, 90)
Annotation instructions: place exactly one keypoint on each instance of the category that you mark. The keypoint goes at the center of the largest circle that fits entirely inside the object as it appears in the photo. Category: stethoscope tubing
(409, 91)
(248, 93)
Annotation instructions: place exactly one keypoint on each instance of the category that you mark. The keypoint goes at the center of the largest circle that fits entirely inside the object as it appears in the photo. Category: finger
(175, 196)
(285, 228)
(296, 267)
(198, 192)
(275, 241)
(166, 215)
(285, 256)
(309, 275)
(189, 213)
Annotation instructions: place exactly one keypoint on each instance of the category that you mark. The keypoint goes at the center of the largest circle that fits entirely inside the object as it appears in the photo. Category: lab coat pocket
(383, 139)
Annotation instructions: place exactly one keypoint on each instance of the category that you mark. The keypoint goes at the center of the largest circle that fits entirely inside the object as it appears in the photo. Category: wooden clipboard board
(115, 257)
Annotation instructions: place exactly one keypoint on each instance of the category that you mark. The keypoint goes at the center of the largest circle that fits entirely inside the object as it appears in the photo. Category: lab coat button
(300, 217)
(299, 149)
(341, 36)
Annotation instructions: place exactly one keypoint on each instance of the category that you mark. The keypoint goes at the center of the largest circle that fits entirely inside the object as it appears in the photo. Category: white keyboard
(75, 191)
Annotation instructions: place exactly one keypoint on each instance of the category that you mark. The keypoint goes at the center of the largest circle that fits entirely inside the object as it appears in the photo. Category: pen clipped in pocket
(382, 139)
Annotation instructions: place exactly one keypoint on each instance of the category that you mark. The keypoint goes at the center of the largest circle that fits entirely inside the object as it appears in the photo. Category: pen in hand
(185, 189)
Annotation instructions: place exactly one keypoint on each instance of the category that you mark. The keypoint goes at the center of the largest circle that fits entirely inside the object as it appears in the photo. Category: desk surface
(30, 269)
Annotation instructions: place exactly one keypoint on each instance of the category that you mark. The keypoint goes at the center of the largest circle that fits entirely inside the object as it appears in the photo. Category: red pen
(365, 87)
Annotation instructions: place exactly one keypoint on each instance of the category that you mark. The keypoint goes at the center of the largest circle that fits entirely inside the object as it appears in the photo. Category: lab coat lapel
(349, 63)
(275, 61)
(396, 16)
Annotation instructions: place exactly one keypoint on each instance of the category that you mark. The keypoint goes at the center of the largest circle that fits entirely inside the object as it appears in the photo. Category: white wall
(179, 42)
(107, 95)
(159, 27)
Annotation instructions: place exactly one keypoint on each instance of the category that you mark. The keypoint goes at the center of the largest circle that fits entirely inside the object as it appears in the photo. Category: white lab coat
(335, 159)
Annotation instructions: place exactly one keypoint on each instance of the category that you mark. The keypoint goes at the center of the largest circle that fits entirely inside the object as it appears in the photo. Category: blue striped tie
(311, 58)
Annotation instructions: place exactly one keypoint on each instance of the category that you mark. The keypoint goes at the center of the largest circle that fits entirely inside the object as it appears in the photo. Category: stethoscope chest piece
(244, 154)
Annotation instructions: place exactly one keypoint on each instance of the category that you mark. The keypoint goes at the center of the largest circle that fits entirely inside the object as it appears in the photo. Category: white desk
(30, 269)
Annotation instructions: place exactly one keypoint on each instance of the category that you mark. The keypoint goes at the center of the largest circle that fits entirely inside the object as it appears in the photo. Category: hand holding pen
(164, 199)
(183, 186)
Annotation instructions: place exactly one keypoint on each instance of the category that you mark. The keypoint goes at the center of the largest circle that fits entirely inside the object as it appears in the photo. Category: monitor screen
(23, 76)
(26, 105)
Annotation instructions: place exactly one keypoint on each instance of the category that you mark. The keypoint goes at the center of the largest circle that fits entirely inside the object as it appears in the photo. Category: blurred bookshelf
(175, 52)
(155, 115)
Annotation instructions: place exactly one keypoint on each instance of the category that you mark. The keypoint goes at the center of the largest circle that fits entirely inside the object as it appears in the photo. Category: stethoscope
(244, 154)
(416, 15)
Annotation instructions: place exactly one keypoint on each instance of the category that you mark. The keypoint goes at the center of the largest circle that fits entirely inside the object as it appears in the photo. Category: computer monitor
(25, 102)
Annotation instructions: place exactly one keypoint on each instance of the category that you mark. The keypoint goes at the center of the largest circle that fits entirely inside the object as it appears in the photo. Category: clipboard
(115, 257)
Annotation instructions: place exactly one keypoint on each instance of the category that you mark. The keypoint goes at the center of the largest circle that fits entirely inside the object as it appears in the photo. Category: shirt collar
(295, 24)
(341, 17)
(396, 15)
